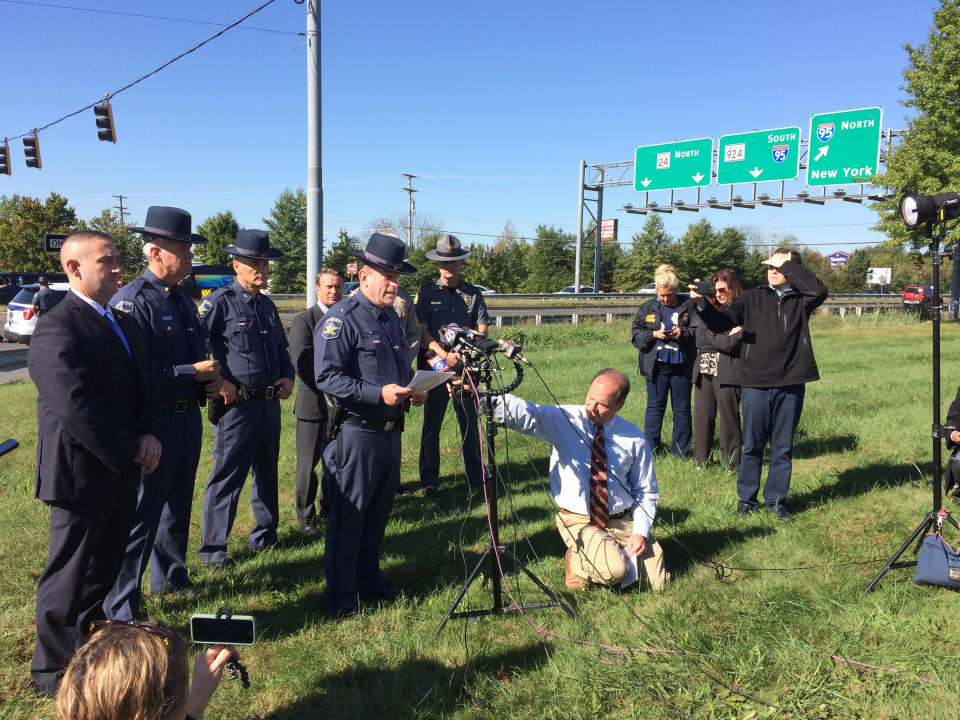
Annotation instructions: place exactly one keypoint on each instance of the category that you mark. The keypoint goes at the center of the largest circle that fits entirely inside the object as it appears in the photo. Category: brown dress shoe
(570, 580)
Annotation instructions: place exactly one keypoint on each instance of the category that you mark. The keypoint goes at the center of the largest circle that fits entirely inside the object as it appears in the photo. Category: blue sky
(492, 104)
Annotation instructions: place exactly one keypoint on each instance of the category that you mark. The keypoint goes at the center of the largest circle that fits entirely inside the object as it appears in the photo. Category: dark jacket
(308, 405)
(728, 346)
(648, 320)
(776, 350)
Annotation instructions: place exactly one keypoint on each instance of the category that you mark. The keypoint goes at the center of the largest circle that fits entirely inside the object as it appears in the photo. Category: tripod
(489, 564)
(937, 514)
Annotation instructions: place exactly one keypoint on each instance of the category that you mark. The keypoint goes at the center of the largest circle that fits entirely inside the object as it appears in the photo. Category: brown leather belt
(615, 516)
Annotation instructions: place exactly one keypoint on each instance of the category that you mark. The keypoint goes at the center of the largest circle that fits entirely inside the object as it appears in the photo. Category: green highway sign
(759, 156)
(844, 147)
(671, 166)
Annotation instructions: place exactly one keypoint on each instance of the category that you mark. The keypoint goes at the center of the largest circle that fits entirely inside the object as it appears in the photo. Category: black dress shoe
(309, 529)
(745, 508)
(429, 489)
(782, 513)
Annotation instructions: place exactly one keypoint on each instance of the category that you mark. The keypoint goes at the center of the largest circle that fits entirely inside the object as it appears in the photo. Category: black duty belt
(373, 424)
(180, 406)
(270, 392)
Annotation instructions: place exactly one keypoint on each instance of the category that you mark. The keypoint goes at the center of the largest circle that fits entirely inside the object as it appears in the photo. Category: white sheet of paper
(633, 571)
(428, 379)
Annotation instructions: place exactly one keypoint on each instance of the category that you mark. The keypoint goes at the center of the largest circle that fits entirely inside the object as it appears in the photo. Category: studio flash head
(916, 208)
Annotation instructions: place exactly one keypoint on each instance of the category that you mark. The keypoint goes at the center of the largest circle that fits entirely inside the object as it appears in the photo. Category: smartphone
(211, 630)
(706, 287)
(8, 445)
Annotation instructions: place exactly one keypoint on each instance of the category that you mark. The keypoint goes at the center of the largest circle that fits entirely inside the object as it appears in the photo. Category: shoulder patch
(331, 328)
(650, 318)
(205, 307)
(125, 306)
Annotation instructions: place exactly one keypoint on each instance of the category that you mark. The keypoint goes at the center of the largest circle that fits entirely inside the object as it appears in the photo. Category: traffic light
(105, 129)
(31, 150)
(5, 158)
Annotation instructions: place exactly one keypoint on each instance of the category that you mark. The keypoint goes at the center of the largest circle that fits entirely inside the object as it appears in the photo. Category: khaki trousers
(598, 554)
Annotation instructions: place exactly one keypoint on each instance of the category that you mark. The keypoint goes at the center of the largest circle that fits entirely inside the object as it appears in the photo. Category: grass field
(786, 621)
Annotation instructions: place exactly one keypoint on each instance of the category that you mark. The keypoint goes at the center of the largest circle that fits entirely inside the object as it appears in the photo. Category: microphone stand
(491, 561)
(938, 514)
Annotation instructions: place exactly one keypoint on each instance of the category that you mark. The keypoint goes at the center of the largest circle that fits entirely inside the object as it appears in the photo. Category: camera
(706, 287)
(213, 630)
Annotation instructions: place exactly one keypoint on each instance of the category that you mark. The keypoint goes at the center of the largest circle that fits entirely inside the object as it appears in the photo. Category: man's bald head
(89, 258)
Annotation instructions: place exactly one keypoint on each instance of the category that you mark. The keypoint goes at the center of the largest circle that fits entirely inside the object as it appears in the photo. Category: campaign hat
(448, 248)
(387, 253)
(253, 244)
(171, 223)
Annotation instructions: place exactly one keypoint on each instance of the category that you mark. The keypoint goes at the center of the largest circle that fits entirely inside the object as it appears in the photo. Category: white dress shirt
(631, 480)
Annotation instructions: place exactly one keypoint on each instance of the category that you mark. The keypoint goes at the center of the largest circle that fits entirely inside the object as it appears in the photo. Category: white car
(484, 290)
(21, 316)
(649, 289)
(571, 289)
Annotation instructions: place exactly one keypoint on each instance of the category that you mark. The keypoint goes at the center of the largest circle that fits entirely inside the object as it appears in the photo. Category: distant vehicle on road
(648, 289)
(11, 282)
(571, 289)
(21, 316)
(868, 291)
(484, 290)
(349, 287)
(204, 279)
(919, 295)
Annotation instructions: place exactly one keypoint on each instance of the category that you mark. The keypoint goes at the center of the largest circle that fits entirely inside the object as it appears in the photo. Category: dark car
(919, 295)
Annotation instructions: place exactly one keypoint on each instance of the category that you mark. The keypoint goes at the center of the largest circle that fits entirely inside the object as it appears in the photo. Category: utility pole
(314, 187)
(409, 190)
(123, 213)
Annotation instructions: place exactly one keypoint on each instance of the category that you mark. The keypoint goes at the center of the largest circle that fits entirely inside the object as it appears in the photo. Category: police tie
(599, 504)
(403, 367)
(108, 316)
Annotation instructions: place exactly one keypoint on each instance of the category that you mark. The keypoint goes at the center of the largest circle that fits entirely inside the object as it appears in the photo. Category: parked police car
(21, 315)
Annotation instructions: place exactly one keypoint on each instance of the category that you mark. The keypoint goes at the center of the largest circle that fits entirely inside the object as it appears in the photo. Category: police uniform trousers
(87, 540)
(310, 445)
(598, 554)
(433, 411)
(247, 437)
(162, 522)
(365, 464)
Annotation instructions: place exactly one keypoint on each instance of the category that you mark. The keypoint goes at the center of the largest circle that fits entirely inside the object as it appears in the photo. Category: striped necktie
(599, 505)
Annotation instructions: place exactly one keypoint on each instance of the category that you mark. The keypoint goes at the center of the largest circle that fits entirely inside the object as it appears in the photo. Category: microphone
(512, 351)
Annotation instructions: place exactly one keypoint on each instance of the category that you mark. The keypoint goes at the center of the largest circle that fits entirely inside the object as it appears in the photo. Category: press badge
(651, 318)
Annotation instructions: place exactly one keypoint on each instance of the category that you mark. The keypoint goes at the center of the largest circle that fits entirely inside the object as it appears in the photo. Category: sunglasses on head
(162, 633)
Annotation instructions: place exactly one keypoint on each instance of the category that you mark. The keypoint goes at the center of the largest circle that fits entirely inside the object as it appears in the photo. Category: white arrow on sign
(822, 153)
(756, 172)
(698, 177)
(646, 181)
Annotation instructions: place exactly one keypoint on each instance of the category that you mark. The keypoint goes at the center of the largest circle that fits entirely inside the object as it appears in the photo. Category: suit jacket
(308, 404)
(92, 401)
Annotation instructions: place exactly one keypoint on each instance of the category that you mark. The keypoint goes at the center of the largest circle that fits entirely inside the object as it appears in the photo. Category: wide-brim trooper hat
(253, 244)
(448, 248)
(385, 252)
(171, 223)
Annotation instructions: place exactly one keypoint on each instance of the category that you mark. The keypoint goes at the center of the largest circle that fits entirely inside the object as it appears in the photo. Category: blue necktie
(116, 328)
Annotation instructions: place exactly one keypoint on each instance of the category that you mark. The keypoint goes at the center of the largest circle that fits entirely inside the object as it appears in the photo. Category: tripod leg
(484, 559)
(892, 562)
(539, 583)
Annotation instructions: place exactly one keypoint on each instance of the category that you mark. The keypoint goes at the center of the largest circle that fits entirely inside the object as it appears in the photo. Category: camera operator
(139, 670)
(777, 361)
(663, 334)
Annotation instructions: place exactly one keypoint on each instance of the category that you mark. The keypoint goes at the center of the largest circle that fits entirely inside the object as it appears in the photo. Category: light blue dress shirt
(631, 480)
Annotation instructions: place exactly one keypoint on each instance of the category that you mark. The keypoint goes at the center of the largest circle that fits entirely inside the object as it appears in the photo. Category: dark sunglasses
(163, 634)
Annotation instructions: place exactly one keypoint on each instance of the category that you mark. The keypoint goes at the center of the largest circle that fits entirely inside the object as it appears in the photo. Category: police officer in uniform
(44, 299)
(447, 301)
(361, 362)
(247, 339)
(184, 379)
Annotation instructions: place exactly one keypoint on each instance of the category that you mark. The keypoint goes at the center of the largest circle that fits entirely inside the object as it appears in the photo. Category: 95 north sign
(672, 166)
(759, 156)
(844, 147)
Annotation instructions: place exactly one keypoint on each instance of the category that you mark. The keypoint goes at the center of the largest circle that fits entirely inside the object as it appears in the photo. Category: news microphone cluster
(477, 346)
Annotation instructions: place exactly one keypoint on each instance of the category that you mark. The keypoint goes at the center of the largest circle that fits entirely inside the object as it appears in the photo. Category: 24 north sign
(672, 166)
(759, 156)
(844, 147)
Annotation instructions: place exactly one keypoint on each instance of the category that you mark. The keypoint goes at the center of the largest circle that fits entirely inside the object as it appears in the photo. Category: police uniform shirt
(438, 305)
(176, 336)
(355, 356)
(246, 337)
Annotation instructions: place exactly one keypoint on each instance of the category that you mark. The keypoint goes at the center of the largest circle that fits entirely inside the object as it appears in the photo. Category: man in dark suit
(309, 408)
(92, 372)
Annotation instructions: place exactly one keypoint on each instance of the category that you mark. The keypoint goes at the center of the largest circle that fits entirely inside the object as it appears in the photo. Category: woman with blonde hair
(663, 334)
(138, 671)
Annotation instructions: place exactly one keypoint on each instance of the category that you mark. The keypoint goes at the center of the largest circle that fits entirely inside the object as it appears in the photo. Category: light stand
(937, 515)
(489, 564)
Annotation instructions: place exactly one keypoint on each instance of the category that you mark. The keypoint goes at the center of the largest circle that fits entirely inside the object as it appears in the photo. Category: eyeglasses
(162, 633)
(722, 290)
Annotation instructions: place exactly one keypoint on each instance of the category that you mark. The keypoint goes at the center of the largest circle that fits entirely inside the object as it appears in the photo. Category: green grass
(792, 594)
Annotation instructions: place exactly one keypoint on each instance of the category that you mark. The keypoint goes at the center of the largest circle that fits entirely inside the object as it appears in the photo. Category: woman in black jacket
(717, 388)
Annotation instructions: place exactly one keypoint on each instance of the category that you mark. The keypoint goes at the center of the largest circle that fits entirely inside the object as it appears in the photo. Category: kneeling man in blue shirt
(602, 478)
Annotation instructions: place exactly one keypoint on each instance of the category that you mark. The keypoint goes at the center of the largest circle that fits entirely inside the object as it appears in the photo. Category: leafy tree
(851, 277)
(338, 254)
(610, 258)
(549, 262)
(129, 245)
(506, 261)
(23, 223)
(928, 159)
(652, 246)
(287, 225)
(220, 230)
(702, 251)
(426, 269)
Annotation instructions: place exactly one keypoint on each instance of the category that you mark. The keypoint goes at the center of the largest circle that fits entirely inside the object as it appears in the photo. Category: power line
(147, 17)
(149, 74)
